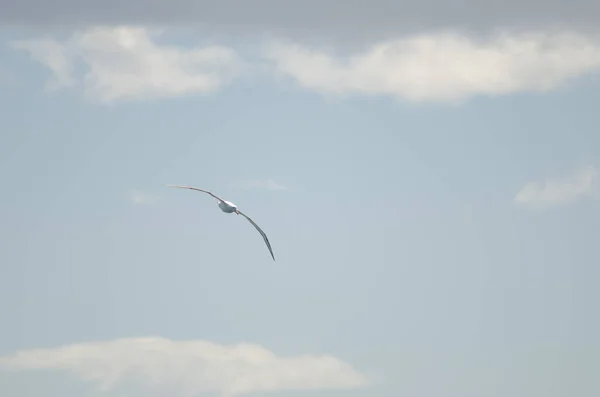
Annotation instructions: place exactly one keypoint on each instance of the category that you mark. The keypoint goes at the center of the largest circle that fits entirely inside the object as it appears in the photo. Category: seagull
(228, 207)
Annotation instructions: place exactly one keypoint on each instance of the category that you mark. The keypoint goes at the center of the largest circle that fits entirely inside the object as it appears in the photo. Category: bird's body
(228, 207)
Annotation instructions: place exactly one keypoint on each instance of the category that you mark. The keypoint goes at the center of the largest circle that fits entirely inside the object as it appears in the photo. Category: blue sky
(433, 223)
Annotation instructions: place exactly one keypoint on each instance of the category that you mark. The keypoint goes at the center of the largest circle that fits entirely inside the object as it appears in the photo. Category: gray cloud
(339, 20)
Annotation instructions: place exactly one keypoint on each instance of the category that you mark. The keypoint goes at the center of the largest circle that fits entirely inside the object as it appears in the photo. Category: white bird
(228, 207)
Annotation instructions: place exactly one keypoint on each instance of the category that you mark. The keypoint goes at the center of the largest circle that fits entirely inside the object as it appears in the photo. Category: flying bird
(228, 207)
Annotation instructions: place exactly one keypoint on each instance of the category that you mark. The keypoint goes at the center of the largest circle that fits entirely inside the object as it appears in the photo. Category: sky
(428, 176)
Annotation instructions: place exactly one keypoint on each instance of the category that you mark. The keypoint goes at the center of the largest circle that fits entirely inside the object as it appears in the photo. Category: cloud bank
(188, 368)
(552, 192)
(128, 63)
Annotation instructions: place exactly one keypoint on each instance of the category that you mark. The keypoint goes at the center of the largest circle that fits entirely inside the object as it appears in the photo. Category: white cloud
(583, 182)
(126, 63)
(188, 368)
(141, 198)
(443, 66)
(268, 184)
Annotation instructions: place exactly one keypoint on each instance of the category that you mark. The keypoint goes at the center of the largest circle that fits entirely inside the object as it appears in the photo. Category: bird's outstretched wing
(195, 188)
(264, 236)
